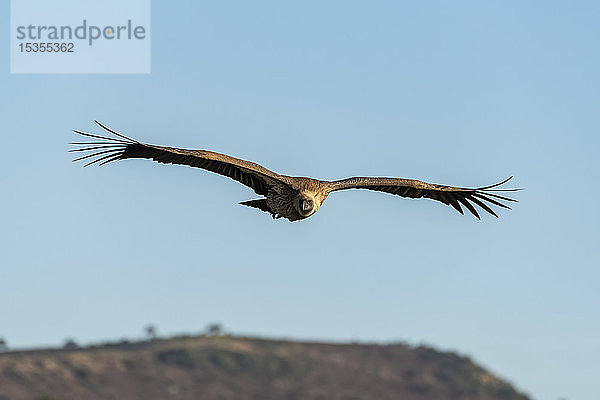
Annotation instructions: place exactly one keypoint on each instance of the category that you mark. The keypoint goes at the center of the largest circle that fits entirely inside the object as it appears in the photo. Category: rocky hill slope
(224, 367)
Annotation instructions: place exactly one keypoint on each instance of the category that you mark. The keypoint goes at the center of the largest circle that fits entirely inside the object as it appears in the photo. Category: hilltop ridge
(228, 367)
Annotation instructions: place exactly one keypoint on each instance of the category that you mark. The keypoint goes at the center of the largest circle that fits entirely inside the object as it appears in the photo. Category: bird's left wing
(120, 147)
(449, 195)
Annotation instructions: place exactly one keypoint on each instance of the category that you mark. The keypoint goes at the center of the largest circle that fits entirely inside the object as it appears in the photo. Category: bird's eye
(306, 205)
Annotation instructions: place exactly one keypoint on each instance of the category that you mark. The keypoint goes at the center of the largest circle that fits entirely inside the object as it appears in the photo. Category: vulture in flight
(291, 197)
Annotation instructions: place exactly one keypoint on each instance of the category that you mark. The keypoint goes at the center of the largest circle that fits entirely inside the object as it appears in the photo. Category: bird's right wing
(121, 147)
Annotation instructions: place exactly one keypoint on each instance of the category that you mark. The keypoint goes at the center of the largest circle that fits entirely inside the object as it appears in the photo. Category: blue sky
(460, 93)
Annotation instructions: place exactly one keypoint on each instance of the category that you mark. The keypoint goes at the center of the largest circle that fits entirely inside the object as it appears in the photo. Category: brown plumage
(291, 197)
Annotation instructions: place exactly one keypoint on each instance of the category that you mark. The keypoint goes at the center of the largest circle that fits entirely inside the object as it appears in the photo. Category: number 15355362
(47, 47)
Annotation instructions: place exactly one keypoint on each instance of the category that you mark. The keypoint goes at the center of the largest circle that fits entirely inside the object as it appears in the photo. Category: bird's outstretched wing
(449, 195)
(107, 149)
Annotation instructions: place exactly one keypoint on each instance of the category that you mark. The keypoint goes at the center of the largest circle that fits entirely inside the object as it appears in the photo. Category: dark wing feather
(122, 147)
(449, 195)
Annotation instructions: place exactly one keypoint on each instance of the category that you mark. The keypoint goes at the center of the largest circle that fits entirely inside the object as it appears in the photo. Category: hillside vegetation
(224, 367)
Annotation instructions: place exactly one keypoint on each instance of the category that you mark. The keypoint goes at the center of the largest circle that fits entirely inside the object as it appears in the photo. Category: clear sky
(460, 93)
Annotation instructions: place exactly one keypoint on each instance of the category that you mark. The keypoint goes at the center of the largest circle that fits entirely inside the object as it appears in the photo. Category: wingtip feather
(106, 128)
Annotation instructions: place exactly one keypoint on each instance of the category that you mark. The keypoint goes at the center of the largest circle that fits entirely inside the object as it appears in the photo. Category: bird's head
(306, 204)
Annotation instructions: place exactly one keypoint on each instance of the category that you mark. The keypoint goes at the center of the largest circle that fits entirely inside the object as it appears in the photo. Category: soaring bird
(291, 197)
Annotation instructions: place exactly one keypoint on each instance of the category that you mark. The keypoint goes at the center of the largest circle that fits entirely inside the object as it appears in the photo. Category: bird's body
(284, 199)
(294, 198)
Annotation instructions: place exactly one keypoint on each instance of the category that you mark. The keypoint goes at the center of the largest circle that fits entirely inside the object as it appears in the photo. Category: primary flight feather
(291, 197)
